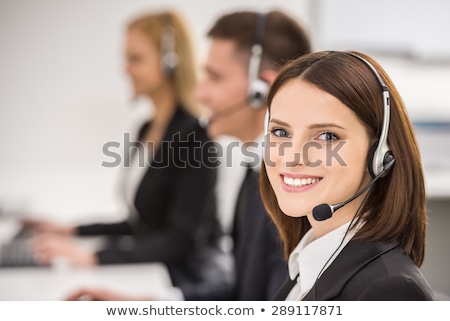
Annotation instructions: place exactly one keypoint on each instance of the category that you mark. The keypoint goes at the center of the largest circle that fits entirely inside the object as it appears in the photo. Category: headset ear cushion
(370, 157)
(258, 90)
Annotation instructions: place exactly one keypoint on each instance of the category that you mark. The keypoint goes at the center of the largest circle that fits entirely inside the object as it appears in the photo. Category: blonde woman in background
(171, 201)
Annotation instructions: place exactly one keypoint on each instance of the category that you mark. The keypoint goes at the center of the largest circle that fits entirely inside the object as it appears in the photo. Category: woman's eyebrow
(324, 125)
(312, 126)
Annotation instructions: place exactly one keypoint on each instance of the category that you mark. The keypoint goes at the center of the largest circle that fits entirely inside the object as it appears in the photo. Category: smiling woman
(372, 248)
(325, 122)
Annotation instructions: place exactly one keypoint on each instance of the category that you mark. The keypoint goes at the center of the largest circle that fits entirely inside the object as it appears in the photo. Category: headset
(169, 57)
(257, 88)
(379, 158)
(380, 155)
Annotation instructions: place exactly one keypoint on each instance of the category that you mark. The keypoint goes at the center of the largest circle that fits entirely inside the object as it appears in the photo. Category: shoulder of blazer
(184, 124)
(181, 122)
(353, 258)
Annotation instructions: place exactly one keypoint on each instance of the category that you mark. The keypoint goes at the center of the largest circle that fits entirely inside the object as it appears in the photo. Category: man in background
(246, 51)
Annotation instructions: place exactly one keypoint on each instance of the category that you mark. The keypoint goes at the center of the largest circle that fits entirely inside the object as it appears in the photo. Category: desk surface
(56, 283)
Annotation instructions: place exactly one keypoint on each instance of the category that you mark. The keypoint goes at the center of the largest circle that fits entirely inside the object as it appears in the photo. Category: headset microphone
(380, 158)
(324, 211)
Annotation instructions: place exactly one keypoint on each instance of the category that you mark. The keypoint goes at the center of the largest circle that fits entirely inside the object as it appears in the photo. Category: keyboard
(17, 252)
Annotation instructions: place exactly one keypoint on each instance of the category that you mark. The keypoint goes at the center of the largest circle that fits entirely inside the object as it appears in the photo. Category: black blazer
(260, 265)
(368, 271)
(175, 202)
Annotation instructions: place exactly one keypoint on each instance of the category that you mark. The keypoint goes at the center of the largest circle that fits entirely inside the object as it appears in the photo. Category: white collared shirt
(313, 256)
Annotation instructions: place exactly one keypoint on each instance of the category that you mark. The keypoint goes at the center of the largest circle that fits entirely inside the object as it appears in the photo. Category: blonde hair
(185, 74)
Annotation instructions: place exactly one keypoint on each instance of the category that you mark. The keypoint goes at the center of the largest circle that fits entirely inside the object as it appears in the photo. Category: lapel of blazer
(354, 257)
(284, 289)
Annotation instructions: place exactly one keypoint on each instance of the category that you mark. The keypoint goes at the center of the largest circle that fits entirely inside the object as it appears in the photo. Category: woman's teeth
(297, 182)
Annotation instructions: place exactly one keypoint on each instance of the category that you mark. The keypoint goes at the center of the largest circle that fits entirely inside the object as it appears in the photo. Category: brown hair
(283, 39)
(185, 75)
(395, 209)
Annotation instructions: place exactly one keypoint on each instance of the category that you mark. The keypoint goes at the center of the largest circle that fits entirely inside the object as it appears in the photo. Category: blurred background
(64, 94)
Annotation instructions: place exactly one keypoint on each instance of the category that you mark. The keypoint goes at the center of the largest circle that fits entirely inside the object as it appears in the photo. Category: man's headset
(257, 88)
(169, 56)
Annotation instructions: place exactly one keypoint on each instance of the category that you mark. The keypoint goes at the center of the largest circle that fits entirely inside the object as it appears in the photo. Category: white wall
(63, 95)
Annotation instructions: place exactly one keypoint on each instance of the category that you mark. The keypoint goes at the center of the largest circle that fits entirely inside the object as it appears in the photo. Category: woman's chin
(295, 212)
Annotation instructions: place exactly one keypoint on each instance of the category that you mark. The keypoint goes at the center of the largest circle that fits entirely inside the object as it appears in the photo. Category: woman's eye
(328, 136)
(279, 132)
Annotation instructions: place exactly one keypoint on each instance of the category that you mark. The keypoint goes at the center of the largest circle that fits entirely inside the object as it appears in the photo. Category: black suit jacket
(175, 203)
(368, 271)
(260, 265)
